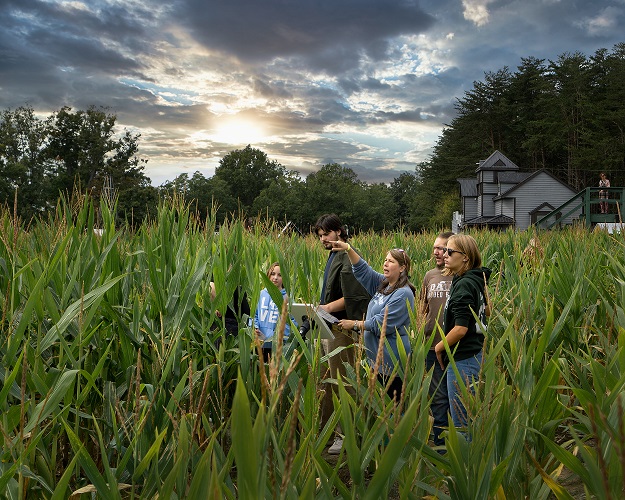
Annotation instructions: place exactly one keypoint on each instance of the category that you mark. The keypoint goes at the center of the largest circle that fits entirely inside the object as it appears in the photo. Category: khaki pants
(342, 338)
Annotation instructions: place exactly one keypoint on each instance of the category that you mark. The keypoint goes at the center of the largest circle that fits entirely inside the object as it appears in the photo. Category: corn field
(116, 380)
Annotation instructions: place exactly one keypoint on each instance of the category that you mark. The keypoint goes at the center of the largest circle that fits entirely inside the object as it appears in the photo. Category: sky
(368, 84)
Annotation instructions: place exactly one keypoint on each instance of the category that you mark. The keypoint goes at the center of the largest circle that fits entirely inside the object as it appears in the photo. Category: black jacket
(467, 297)
(341, 282)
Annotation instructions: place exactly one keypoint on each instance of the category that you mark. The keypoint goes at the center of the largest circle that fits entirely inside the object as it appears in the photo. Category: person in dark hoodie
(465, 336)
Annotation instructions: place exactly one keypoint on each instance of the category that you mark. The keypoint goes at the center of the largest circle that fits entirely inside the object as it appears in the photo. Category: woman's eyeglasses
(451, 251)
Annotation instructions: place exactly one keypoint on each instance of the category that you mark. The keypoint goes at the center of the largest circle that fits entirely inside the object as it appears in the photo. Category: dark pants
(394, 390)
(266, 354)
(336, 368)
(439, 397)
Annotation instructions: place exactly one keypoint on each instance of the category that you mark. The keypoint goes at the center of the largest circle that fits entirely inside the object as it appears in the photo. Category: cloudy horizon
(368, 84)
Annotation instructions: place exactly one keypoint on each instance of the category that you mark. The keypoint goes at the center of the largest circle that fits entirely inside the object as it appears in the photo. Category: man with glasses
(434, 292)
(343, 297)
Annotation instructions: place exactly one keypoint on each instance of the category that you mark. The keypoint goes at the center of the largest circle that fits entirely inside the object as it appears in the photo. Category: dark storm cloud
(53, 55)
(414, 115)
(380, 174)
(351, 85)
(328, 34)
(297, 68)
(373, 170)
(270, 89)
(311, 148)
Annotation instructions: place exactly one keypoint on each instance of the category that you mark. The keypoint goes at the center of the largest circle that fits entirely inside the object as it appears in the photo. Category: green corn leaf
(9, 382)
(246, 453)
(61, 487)
(50, 403)
(145, 461)
(73, 311)
(385, 475)
(89, 466)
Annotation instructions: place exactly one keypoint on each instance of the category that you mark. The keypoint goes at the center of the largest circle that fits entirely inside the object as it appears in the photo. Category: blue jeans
(469, 370)
(439, 398)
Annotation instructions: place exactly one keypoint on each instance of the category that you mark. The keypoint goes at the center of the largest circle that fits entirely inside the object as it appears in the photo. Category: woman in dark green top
(463, 334)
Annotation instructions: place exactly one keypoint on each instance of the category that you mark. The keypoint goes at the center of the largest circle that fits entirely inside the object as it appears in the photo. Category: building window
(539, 215)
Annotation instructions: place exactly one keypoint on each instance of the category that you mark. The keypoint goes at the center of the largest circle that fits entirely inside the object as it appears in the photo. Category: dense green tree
(404, 189)
(434, 202)
(137, 199)
(486, 110)
(375, 208)
(571, 79)
(178, 186)
(605, 139)
(281, 200)
(23, 162)
(203, 195)
(45, 157)
(533, 104)
(80, 141)
(333, 188)
(246, 172)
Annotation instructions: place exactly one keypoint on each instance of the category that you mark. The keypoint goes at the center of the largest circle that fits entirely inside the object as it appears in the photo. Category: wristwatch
(355, 327)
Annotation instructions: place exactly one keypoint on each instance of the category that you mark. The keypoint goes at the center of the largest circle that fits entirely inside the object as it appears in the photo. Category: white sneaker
(336, 447)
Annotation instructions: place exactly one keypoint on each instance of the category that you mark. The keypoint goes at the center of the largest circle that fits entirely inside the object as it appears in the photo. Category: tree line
(70, 151)
(567, 116)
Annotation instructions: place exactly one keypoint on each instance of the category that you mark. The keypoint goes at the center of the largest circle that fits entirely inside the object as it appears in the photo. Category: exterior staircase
(588, 201)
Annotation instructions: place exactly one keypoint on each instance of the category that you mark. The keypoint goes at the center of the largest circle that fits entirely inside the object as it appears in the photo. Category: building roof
(497, 161)
(541, 207)
(491, 220)
(513, 177)
(468, 186)
(529, 178)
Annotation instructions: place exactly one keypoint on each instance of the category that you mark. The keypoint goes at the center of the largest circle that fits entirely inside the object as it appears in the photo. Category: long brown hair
(404, 278)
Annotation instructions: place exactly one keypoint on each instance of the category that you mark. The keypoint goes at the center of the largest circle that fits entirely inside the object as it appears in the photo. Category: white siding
(487, 203)
(503, 187)
(506, 207)
(470, 207)
(538, 190)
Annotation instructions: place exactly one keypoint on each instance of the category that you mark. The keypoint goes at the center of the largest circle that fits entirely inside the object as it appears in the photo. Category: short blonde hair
(468, 246)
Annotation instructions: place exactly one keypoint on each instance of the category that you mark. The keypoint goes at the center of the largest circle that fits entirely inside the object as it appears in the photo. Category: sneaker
(336, 447)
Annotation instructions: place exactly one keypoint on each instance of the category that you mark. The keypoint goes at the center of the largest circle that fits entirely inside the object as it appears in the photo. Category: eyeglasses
(401, 250)
(451, 251)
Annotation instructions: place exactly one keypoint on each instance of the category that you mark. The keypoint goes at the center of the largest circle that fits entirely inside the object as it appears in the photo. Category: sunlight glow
(238, 132)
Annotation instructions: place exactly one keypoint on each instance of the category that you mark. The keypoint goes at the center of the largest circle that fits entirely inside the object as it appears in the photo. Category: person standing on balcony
(604, 182)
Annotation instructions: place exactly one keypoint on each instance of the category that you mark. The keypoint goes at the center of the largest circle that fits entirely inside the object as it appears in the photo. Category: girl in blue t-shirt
(268, 313)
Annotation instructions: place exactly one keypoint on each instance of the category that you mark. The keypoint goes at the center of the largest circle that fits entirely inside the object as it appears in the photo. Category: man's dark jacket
(341, 282)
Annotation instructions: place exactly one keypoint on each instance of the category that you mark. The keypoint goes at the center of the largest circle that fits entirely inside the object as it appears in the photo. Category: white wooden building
(500, 196)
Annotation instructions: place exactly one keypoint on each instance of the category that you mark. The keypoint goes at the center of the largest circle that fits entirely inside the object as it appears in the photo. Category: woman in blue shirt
(268, 313)
(390, 290)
